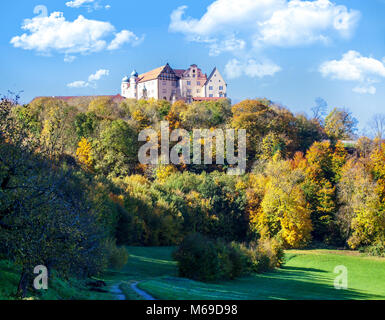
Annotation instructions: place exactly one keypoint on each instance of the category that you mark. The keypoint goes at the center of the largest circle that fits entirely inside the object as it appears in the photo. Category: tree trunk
(23, 284)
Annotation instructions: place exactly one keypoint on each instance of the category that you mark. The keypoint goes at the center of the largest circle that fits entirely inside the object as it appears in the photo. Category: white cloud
(234, 68)
(98, 75)
(125, 36)
(230, 44)
(305, 22)
(223, 15)
(69, 58)
(355, 67)
(246, 27)
(78, 3)
(90, 5)
(268, 22)
(365, 90)
(78, 84)
(55, 34)
(91, 80)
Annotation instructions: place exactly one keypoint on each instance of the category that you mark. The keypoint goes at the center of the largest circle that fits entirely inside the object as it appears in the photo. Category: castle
(175, 84)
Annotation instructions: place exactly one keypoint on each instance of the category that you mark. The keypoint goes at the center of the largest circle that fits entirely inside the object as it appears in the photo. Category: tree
(104, 107)
(115, 153)
(323, 170)
(359, 216)
(86, 124)
(377, 126)
(84, 153)
(280, 208)
(47, 214)
(340, 124)
(319, 110)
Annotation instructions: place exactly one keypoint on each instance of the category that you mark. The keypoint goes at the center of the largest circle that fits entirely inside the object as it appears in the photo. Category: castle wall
(216, 86)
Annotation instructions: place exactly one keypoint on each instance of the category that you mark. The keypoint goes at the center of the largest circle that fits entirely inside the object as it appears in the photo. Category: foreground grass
(59, 289)
(307, 274)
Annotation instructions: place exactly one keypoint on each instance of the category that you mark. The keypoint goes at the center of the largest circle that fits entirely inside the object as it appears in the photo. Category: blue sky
(290, 51)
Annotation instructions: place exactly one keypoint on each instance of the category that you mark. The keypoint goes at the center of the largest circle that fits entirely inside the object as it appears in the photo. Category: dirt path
(115, 289)
(143, 294)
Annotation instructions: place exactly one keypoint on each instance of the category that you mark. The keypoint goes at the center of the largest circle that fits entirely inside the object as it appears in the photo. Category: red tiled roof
(179, 72)
(207, 99)
(115, 98)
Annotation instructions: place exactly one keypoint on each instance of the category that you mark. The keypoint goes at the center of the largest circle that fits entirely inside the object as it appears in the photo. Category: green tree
(115, 153)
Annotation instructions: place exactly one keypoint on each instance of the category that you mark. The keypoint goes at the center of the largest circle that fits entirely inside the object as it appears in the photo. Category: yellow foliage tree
(164, 171)
(83, 153)
(277, 205)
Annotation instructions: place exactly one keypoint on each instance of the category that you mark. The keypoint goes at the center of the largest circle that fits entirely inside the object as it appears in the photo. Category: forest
(73, 193)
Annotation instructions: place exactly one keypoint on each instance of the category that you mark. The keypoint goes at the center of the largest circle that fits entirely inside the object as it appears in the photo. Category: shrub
(117, 256)
(273, 249)
(200, 258)
(377, 249)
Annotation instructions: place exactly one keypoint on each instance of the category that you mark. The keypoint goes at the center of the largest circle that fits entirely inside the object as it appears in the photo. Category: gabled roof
(151, 75)
(211, 75)
(179, 72)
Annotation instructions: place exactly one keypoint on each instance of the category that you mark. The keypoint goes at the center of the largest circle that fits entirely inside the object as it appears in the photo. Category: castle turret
(125, 87)
(134, 85)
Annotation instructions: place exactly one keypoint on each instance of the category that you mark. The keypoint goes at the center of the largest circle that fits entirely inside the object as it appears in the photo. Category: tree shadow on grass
(303, 269)
(304, 284)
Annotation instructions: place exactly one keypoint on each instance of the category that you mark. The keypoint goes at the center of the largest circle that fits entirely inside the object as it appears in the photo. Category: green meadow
(307, 274)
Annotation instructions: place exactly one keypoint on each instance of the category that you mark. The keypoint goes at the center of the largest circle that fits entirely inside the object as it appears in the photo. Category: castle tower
(125, 87)
(134, 85)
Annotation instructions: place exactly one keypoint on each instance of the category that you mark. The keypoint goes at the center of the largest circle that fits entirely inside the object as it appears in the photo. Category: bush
(200, 258)
(377, 249)
(117, 256)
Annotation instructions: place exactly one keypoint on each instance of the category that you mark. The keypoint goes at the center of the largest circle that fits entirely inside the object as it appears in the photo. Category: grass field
(307, 274)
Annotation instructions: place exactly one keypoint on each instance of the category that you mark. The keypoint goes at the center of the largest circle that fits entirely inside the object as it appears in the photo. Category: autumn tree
(323, 170)
(340, 124)
(279, 208)
(83, 153)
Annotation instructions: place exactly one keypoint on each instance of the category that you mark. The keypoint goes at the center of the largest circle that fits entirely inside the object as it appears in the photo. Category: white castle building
(175, 84)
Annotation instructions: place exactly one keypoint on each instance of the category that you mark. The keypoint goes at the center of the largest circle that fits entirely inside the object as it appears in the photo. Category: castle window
(164, 83)
(211, 95)
(221, 88)
(211, 88)
(198, 83)
(189, 83)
